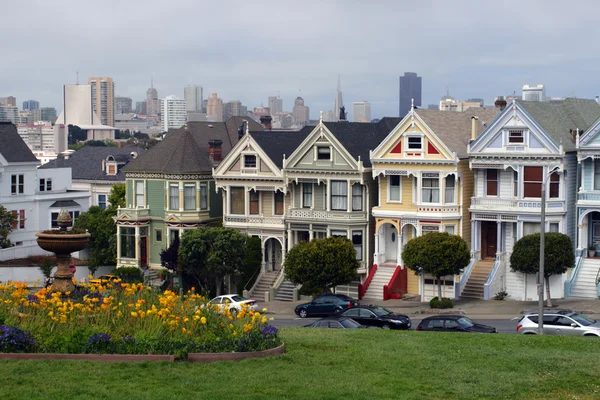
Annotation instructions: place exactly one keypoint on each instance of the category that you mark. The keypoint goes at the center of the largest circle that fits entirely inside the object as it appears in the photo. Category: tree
(212, 253)
(116, 197)
(437, 254)
(251, 263)
(322, 263)
(76, 134)
(8, 220)
(558, 256)
(169, 256)
(101, 226)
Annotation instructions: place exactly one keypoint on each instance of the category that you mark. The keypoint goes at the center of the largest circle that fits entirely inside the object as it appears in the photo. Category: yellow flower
(134, 314)
(230, 326)
(203, 320)
(264, 320)
(234, 333)
(264, 310)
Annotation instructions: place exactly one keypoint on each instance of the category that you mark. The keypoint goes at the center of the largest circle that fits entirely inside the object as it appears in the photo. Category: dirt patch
(36, 261)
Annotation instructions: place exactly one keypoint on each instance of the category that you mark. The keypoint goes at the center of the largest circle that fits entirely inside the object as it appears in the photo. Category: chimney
(474, 132)
(500, 103)
(266, 121)
(597, 100)
(214, 150)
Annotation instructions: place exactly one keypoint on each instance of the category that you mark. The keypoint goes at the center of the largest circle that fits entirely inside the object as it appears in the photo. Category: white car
(233, 302)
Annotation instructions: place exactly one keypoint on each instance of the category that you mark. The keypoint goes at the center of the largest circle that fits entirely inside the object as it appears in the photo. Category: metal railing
(491, 277)
(460, 285)
(259, 271)
(570, 283)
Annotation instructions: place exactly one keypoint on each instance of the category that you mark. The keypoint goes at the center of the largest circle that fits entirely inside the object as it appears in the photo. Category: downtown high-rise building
(214, 108)
(361, 111)
(47, 114)
(31, 105)
(103, 98)
(339, 101)
(8, 101)
(534, 93)
(152, 102)
(123, 105)
(275, 105)
(234, 108)
(300, 112)
(173, 114)
(193, 98)
(410, 92)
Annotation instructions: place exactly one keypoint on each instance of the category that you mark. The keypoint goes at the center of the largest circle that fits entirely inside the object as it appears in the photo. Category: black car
(334, 322)
(377, 316)
(325, 305)
(453, 323)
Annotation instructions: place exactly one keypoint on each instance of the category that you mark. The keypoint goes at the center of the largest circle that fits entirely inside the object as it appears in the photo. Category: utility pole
(541, 271)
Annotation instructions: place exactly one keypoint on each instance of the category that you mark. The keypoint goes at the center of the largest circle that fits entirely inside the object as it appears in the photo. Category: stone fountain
(63, 242)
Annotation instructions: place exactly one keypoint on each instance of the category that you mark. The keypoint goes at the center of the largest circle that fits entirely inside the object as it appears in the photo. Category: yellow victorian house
(425, 185)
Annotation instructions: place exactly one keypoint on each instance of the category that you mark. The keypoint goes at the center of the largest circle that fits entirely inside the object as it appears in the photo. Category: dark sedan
(453, 323)
(334, 322)
(325, 305)
(377, 316)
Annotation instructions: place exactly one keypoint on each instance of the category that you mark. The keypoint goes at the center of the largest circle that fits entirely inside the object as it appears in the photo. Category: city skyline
(369, 59)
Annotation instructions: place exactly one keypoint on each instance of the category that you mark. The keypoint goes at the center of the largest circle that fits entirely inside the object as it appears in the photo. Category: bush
(15, 340)
(501, 295)
(129, 274)
(444, 303)
(46, 267)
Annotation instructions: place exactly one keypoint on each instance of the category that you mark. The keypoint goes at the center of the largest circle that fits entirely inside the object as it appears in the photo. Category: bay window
(307, 190)
(127, 242)
(532, 182)
(357, 239)
(357, 197)
(189, 197)
(237, 200)
(394, 188)
(278, 203)
(491, 182)
(139, 194)
(203, 196)
(450, 189)
(554, 192)
(339, 195)
(430, 188)
(254, 202)
(174, 196)
(597, 174)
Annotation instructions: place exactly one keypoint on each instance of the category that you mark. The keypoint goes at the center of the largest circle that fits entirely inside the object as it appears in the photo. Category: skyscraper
(301, 112)
(140, 107)
(339, 102)
(275, 105)
(173, 115)
(103, 98)
(410, 90)
(8, 101)
(152, 103)
(193, 98)
(31, 105)
(361, 111)
(214, 108)
(234, 108)
(534, 93)
(123, 105)
(48, 114)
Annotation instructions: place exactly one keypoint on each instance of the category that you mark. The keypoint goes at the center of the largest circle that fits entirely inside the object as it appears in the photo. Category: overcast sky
(253, 49)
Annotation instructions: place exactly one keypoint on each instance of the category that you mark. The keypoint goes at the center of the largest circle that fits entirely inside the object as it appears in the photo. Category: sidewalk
(480, 309)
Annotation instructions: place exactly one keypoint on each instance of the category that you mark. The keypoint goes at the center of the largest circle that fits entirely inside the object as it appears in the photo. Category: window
(554, 227)
(249, 161)
(491, 187)
(435, 324)
(203, 196)
(173, 234)
(102, 201)
(278, 203)
(597, 174)
(339, 234)
(357, 197)
(450, 184)
(17, 184)
(189, 197)
(554, 186)
(174, 196)
(516, 184)
(394, 188)
(414, 143)
(339, 195)
(45, 184)
(158, 235)
(323, 153)
(254, 202)
(451, 229)
(127, 242)
(139, 193)
(532, 181)
(431, 189)
(54, 216)
(529, 228)
(19, 219)
(307, 195)
(238, 199)
(515, 136)
(357, 243)
(112, 169)
(451, 324)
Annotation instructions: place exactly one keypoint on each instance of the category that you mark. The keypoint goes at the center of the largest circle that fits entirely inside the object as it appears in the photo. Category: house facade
(529, 144)
(424, 185)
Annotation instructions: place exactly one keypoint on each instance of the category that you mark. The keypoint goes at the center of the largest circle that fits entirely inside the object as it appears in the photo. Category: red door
(144, 250)
(489, 237)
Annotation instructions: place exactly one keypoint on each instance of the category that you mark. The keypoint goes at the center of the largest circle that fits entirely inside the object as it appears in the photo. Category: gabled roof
(185, 150)
(12, 146)
(86, 163)
(557, 119)
(276, 144)
(454, 128)
(360, 137)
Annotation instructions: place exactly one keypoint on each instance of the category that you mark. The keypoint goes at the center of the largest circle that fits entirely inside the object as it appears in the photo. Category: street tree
(8, 220)
(437, 254)
(116, 197)
(558, 256)
(169, 256)
(102, 245)
(322, 263)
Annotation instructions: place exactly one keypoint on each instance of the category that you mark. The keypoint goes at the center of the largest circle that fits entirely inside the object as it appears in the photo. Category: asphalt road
(503, 325)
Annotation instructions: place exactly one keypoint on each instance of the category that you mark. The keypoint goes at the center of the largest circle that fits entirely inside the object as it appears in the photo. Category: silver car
(564, 322)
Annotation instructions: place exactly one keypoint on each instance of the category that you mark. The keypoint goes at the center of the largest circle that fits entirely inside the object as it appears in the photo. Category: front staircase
(382, 277)
(265, 283)
(585, 282)
(285, 291)
(479, 276)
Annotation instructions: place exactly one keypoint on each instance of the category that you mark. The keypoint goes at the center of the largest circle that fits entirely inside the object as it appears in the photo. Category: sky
(249, 50)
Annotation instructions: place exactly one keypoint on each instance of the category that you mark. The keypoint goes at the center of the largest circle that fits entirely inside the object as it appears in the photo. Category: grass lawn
(338, 364)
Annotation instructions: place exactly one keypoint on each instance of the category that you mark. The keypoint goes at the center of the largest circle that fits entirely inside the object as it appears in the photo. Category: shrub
(46, 267)
(15, 340)
(443, 303)
(129, 274)
(501, 295)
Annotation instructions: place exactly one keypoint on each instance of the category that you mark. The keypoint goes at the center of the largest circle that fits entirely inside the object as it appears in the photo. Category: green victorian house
(170, 189)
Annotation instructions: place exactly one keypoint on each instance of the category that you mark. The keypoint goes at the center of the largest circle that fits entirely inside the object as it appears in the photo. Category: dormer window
(415, 143)
(515, 136)
(323, 153)
(249, 161)
(111, 169)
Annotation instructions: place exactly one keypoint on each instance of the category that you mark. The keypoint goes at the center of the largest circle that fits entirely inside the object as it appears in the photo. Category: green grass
(337, 364)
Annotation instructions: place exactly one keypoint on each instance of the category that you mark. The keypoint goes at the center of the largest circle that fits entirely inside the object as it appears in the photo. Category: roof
(185, 150)
(86, 163)
(454, 128)
(12, 146)
(360, 137)
(276, 144)
(558, 119)
(64, 203)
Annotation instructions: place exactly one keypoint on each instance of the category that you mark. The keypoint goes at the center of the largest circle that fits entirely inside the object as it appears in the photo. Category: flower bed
(125, 319)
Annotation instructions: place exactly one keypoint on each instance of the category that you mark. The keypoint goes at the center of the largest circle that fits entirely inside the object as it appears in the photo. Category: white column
(473, 236)
(376, 253)
(399, 251)
(137, 245)
(246, 201)
(262, 249)
(498, 237)
(349, 198)
(328, 196)
(118, 245)
(290, 239)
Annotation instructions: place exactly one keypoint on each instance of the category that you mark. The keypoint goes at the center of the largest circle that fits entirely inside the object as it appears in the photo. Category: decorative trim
(161, 175)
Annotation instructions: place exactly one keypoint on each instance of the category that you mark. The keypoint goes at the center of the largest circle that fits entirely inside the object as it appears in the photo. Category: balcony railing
(133, 214)
(306, 213)
(426, 208)
(588, 196)
(254, 220)
(524, 205)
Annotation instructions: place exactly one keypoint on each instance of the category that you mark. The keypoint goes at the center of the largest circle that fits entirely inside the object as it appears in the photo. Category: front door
(144, 250)
(391, 243)
(489, 236)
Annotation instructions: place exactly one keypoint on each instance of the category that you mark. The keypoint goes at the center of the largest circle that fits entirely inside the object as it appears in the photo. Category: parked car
(453, 323)
(335, 322)
(378, 316)
(233, 302)
(325, 305)
(102, 279)
(560, 322)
